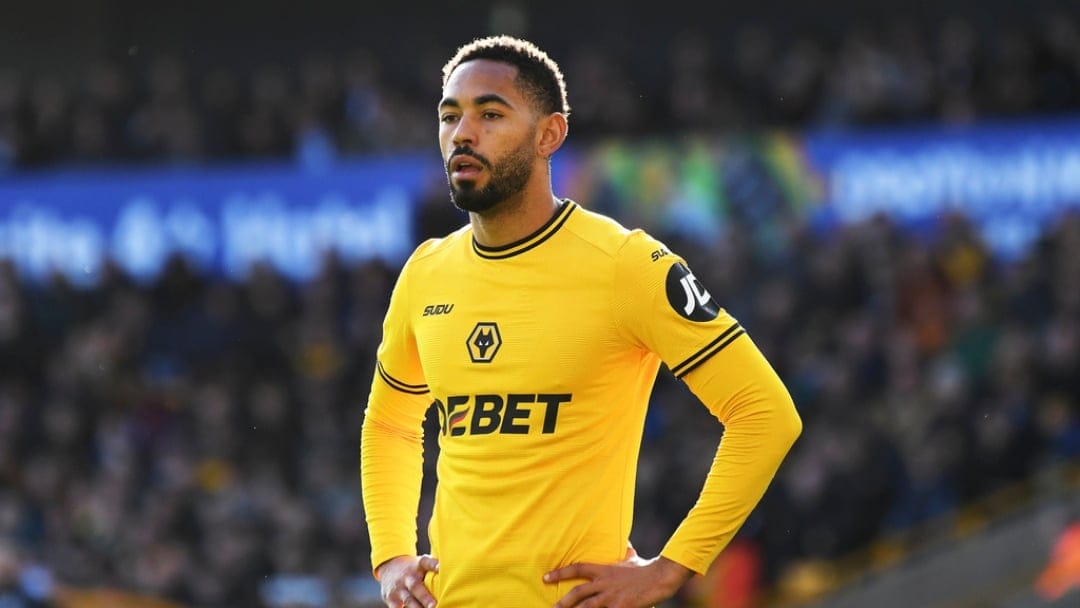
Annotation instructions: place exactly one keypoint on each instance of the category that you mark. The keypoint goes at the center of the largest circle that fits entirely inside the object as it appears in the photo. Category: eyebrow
(480, 100)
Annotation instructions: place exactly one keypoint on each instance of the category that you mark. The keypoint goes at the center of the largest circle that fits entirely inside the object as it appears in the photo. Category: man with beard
(537, 331)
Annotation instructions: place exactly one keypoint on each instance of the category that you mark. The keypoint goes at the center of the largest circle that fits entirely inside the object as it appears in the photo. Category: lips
(464, 166)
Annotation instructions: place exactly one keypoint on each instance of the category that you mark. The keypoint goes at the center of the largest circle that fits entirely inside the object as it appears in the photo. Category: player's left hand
(631, 583)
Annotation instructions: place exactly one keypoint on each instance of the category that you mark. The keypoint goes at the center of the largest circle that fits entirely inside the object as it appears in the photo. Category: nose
(464, 132)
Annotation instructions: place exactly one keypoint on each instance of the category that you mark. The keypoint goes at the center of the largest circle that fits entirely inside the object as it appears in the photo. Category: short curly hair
(539, 77)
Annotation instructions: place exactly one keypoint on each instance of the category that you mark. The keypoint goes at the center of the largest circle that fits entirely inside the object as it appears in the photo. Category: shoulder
(431, 250)
(625, 246)
(600, 231)
(642, 247)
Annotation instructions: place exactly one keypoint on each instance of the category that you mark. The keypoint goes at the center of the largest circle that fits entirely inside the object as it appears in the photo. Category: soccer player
(537, 331)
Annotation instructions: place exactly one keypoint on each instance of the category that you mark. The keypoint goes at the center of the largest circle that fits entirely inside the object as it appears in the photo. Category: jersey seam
(412, 333)
(609, 254)
(620, 327)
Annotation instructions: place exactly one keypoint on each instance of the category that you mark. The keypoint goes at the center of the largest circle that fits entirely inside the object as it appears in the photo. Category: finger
(579, 570)
(408, 600)
(405, 600)
(429, 564)
(421, 593)
(413, 585)
(577, 595)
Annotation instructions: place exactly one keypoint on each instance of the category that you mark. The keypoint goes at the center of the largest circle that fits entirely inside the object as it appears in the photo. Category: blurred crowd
(165, 107)
(196, 439)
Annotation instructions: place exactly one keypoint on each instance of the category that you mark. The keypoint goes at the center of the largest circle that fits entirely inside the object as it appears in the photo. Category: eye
(491, 115)
(448, 118)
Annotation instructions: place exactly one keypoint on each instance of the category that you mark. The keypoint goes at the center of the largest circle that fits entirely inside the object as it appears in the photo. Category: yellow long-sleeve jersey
(540, 357)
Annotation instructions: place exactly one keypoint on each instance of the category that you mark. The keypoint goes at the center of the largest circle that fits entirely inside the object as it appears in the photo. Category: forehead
(482, 77)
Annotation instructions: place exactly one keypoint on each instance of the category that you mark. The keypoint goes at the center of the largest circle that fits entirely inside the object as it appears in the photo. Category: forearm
(391, 468)
(761, 424)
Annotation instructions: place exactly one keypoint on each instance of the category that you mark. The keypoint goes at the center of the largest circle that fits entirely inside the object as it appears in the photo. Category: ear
(550, 134)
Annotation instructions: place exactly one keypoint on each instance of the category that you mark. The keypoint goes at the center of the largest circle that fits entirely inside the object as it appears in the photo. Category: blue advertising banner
(222, 219)
(1010, 179)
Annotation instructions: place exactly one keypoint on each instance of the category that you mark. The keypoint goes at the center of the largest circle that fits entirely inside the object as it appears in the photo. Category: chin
(467, 185)
(473, 201)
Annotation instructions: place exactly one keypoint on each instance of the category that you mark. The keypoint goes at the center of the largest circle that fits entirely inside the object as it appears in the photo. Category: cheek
(445, 150)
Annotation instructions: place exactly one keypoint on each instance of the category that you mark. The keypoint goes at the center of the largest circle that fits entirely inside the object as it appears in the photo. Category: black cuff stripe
(678, 369)
(710, 354)
(412, 389)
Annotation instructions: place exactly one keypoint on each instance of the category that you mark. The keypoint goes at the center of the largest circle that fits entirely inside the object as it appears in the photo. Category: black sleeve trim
(693, 361)
(412, 389)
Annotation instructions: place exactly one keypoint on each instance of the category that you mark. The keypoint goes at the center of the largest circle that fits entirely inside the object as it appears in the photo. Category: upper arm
(661, 306)
(400, 392)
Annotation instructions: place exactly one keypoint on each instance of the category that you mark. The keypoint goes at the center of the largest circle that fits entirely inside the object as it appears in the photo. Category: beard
(506, 179)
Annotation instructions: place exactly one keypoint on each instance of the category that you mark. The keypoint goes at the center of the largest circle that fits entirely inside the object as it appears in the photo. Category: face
(486, 131)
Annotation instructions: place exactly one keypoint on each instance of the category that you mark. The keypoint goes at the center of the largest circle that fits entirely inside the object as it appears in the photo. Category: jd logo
(484, 342)
(688, 296)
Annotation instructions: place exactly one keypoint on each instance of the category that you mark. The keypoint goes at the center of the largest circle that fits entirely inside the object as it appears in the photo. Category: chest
(514, 328)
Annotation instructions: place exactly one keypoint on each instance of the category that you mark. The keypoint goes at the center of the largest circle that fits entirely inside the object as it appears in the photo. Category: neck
(513, 219)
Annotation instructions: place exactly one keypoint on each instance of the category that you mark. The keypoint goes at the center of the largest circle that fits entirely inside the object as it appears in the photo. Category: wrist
(388, 564)
(672, 573)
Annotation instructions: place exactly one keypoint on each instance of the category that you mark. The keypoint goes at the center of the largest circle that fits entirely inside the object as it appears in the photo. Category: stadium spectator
(195, 438)
(161, 109)
(185, 437)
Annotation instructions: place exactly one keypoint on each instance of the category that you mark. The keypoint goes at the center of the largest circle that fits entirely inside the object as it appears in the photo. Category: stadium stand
(191, 440)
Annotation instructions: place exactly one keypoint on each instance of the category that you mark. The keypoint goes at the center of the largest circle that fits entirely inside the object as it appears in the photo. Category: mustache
(471, 154)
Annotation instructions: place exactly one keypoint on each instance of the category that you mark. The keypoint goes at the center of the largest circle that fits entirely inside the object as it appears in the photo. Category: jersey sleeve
(662, 307)
(391, 443)
(665, 309)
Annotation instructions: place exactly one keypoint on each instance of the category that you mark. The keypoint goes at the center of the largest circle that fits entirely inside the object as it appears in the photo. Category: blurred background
(204, 206)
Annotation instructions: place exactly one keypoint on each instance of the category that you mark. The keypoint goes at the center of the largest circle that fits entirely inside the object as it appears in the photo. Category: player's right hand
(402, 580)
